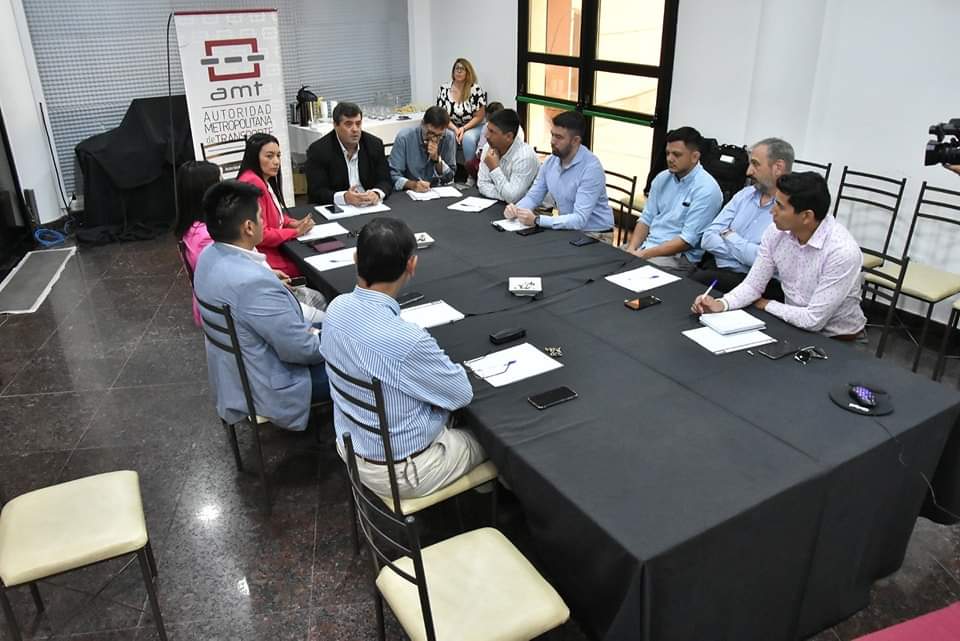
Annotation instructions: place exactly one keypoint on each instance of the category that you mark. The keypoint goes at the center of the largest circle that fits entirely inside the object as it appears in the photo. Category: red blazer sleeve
(274, 232)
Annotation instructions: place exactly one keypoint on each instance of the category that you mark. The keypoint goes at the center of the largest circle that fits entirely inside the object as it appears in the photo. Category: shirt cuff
(726, 305)
(338, 198)
(380, 192)
(544, 221)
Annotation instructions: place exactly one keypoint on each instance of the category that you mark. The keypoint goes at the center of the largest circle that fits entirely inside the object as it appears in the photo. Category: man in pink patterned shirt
(817, 260)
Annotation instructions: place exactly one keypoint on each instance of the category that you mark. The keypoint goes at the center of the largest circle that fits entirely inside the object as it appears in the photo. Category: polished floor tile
(110, 374)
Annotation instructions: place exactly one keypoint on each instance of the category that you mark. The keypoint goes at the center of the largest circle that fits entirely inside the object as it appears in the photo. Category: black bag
(727, 164)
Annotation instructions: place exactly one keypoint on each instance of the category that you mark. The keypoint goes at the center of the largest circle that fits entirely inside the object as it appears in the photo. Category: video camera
(940, 152)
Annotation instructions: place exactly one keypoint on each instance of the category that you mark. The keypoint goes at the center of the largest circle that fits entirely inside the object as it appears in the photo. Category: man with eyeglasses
(425, 154)
(817, 259)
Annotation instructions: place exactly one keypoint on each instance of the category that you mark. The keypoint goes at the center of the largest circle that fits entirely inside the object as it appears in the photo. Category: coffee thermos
(306, 104)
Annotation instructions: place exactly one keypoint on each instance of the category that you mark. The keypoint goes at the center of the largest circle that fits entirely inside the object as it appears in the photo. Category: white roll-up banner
(233, 77)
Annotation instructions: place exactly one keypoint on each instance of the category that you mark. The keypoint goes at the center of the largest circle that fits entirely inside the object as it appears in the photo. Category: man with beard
(683, 200)
(575, 179)
(733, 238)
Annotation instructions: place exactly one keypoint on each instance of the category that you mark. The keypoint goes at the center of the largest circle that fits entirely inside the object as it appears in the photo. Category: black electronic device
(507, 335)
(641, 303)
(583, 241)
(408, 298)
(325, 245)
(552, 397)
(333, 208)
(940, 152)
(863, 395)
(778, 350)
(297, 281)
(529, 231)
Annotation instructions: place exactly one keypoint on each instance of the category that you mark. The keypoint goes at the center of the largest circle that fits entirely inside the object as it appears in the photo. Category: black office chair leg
(232, 437)
(151, 592)
(381, 624)
(354, 534)
(263, 470)
(37, 601)
(494, 497)
(8, 613)
(942, 354)
(923, 337)
(151, 560)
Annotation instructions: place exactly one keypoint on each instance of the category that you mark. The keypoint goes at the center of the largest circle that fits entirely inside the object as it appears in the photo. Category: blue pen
(710, 289)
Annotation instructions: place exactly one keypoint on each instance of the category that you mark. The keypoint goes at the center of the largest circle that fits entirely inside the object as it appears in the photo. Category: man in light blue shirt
(683, 200)
(733, 238)
(365, 338)
(425, 154)
(575, 179)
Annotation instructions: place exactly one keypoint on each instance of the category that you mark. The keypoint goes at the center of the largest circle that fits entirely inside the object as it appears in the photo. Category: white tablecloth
(385, 130)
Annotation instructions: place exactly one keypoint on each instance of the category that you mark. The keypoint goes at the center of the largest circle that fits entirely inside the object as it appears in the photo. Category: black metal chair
(623, 204)
(875, 192)
(483, 473)
(891, 290)
(182, 246)
(69, 526)
(227, 155)
(928, 284)
(232, 346)
(808, 165)
(947, 333)
(480, 586)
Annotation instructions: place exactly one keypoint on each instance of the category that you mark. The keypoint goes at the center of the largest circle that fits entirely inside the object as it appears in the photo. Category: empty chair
(808, 165)
(69, 526)
(874, 197)
(622, 202)
(475, 586)
(892, 284)
(226, 155)
(947, 333)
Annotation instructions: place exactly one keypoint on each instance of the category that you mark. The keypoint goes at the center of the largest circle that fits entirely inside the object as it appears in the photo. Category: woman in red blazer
(261, 167)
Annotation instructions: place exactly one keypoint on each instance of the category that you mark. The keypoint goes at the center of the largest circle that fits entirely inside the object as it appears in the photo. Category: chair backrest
(226, 155)
(809, 165)
(932, 203)
(541, 153)
(382, 429)
(890, 291)
(625, 185)
(876, 192)
(383, 546)
(232, 346)
(182, 246)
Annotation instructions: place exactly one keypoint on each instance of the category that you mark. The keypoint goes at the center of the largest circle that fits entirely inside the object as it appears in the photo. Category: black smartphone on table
(297, 281)
(333, 208)
(408, 298)
(552, 397)
(583, 241)
(642, 303)
(778, 350)
(529, 231)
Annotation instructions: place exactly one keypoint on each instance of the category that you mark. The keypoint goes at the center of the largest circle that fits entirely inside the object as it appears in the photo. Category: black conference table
(682, 496)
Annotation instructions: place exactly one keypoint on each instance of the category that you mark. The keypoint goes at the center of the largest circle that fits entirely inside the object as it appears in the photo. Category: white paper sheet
(332, 260)
(431, 314)
(726, 343)
(349, 211)
(434, 193)
(512, 364)
(472, 203)
(642, 279)
(327, 230)
(732, 322)
(510, 224)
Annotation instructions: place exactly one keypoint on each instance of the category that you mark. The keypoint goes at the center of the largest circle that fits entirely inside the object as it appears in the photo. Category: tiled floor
(110, 374)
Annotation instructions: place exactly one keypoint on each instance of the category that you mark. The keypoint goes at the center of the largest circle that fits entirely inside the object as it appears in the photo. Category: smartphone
(530, 231)
(642, 303)
(773, 351)
(297, 281)
(554, 397)
(583, 241)
(409, 297)
(334, 209)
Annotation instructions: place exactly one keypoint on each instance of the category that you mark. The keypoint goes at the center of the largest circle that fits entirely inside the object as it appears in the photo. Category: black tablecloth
(682, 495)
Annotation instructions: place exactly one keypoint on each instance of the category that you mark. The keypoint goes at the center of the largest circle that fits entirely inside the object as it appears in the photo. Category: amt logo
(234, 59)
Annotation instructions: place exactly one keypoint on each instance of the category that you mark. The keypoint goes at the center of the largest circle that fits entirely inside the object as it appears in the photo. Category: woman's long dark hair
(251, 161)
(194, 178)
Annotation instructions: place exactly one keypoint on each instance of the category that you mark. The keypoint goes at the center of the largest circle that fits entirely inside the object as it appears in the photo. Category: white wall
(19, 97)
(486, 36)
(853, 82)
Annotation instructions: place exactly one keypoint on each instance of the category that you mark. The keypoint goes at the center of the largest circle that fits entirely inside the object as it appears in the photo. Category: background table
(385, 130)
(683, 495)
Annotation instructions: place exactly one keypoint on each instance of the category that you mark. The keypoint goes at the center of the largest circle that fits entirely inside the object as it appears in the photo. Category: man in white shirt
(508, 165)
(816, 257)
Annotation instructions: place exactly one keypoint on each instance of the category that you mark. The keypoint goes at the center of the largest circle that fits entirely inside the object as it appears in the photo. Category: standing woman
(465, 101)
(261, 167)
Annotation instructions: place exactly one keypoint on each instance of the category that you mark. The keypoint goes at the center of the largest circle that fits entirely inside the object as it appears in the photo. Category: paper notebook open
(732, 322)
(349, 211)
(726, 343)
(431, 314)
(512, 364)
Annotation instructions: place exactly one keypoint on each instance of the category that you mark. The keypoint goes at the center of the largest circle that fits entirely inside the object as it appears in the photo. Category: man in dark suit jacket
(339, 172)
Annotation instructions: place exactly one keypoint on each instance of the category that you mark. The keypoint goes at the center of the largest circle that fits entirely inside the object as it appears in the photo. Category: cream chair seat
(924, 282)
(481, 589)
(483, 473)
(870, 261)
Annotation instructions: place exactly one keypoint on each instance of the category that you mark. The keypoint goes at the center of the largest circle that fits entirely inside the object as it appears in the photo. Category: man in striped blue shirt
(364, 336)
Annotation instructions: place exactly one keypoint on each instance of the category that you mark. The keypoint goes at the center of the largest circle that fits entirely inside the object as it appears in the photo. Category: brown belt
(849, 337)
(375, 462)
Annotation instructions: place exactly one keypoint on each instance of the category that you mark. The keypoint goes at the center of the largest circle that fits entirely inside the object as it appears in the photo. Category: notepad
(510, 224)
(732, 322)
(327, 230)
(642, 279)
(350, 211)
(431, 314)
(333, 260)
(472, 203)
(726, 343)
(512, 364)
(434, 193)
